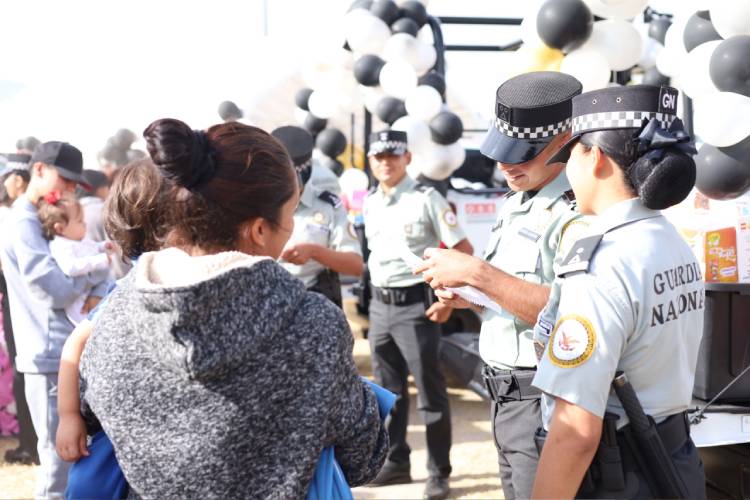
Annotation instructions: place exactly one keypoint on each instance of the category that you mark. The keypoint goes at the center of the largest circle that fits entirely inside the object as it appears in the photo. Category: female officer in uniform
(632, 295)
(323, 242)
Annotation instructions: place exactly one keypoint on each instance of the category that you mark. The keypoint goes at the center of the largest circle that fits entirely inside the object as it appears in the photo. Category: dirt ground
(475, 473)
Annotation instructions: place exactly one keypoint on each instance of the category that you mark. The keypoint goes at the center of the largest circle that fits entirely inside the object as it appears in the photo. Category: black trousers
(514, 424)
(403, 340)
(26, 434)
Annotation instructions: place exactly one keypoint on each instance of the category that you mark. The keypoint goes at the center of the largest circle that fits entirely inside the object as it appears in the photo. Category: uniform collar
(406, 184)
(622, 213)
(546, 197)
(309, 193)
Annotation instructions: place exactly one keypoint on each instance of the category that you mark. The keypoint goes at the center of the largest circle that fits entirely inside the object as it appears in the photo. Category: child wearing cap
(63, 225)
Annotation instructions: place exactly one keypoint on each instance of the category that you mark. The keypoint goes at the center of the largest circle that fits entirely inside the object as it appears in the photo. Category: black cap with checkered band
(530, 110)
(629, 107)
(388, 141)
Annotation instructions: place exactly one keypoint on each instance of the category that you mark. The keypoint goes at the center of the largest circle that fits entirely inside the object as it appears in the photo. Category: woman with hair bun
(212, 370)
(631, 302)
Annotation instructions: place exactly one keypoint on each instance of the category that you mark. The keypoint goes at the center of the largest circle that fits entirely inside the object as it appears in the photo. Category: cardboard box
(721, 256)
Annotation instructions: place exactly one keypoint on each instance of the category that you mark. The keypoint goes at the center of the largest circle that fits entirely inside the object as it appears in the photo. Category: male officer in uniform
(323, 242)
(404, 332)
(532, 122)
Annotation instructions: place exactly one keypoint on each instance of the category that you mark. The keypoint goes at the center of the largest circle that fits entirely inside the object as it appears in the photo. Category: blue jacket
(38, 291)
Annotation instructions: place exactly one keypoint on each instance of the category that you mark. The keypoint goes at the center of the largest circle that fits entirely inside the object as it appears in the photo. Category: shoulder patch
(449, 217)
(330, 198)
(571, 232)
(572, 341)
(580, 255)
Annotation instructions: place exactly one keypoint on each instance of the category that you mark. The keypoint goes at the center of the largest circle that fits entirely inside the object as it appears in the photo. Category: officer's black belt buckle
(400, 296)
(510, 385)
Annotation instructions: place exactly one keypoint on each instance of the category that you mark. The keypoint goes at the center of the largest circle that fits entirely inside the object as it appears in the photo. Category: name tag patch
(572, 342)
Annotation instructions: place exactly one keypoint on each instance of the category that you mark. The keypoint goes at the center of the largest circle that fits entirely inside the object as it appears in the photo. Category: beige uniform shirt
(411, 213)
(323, 221)
(636, 305)
(523, 243)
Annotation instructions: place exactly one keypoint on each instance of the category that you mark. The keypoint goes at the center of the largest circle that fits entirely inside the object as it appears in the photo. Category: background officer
(323, 242)
(632, 298)
(532, 122)
(404, 332)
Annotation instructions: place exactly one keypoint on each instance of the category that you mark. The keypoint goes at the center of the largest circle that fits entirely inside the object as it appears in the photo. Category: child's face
(76, 227)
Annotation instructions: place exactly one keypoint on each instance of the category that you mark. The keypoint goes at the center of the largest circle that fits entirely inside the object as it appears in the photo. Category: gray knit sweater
(222, 377)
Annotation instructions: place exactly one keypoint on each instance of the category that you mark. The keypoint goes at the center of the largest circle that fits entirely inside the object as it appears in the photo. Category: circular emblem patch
(449, 217)
(572, 342)
(319, 217)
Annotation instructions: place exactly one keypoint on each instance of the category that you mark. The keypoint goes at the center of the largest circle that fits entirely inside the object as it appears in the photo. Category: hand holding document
(468, 293)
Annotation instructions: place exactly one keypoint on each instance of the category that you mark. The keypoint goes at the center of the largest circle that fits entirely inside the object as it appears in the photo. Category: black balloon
(334, 165)
(652, 77)
(405, 25)
(124, 138)
(657, 28)
(699, 30)
(313, 124)
(302, 98)
(387, 10)
(739, 151)
(331, 142)
(730, 65)
(434, 80)
(390, 109)
(367, 70)
(446, 128)
(228, 111)
(720, 176)
(414, 10)
(564, 24)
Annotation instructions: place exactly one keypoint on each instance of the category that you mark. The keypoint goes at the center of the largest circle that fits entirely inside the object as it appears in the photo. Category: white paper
(468, 293)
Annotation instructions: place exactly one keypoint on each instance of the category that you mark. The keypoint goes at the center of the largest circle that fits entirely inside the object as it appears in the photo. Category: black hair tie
(654, 139)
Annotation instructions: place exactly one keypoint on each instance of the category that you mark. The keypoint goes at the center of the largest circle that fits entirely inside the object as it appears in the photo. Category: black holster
(606, 476)
(328, 284)
(504, 386)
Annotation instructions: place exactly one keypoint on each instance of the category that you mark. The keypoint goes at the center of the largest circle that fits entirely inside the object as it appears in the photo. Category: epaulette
(569, 197)
(422, 188)
(330, 198)
(579, 257)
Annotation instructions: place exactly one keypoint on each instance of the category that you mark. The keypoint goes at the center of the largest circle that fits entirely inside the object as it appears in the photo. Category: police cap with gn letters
(619, 108)
(388, 141)
(530, 110)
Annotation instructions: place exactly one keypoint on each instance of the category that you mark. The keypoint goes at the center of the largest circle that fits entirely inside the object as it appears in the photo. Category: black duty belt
(510, 385)
(400, 296)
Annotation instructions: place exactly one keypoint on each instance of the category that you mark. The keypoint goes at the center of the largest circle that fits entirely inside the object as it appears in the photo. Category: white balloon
(427, 57)
(618, 41)
(398, 79)
(616, 9)
(417, 132)
(371, 97)
(438, 162)
(670, 61)
(696, 78)
(720, 118)
(353, 180)
(529, 33)
(366, 34)
(414, 168)
(323, 104)
(589, 66)
(402, 47)
(649, 53)
(423, 103)
(300, 115)
(730, 17)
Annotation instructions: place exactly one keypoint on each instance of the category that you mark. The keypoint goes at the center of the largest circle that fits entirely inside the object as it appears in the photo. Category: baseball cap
(14, 163)
(67, 159)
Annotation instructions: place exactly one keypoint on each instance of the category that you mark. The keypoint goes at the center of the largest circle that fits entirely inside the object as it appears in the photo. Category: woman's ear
(58, 227)
(599, 163)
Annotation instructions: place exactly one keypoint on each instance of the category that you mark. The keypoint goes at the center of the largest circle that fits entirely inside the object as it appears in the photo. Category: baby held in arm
(134, 221)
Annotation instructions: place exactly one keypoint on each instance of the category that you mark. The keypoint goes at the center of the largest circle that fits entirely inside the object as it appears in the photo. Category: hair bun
(181, 154)
(666, 182)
